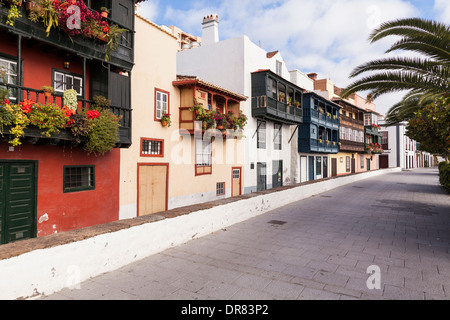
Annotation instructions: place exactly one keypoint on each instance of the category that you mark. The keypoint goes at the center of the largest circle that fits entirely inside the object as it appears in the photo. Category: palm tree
(425, 77)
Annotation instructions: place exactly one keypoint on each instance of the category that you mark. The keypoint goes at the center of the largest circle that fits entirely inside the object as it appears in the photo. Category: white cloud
(329, 37)
(149, 9)
(442, 9)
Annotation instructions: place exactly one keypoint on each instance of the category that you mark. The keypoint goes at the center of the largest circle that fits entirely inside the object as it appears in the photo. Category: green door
(17, 201)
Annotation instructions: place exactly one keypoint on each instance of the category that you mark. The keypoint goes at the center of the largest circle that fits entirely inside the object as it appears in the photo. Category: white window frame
(203, 153)
(65, 77)
(162, 104)
(10, 75)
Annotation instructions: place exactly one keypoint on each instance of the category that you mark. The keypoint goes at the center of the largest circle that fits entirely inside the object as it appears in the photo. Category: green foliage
(430, 126)
(104, 134)
(49, 118)
(100, 102)
(444, 175)
(426, 77)
(80, 126)
(13, 13)
(13, 116)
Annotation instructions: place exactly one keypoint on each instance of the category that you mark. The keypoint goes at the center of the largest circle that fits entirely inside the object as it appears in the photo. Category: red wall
(69, 211)
(66, 211)
(39, 63)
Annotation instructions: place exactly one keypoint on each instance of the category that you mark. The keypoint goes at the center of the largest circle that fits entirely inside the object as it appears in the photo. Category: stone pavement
(318, 248)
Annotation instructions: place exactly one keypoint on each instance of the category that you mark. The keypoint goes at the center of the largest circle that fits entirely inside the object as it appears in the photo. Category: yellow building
(170, 166)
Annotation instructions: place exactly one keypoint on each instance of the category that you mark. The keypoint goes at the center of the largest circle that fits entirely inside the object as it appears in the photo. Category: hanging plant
(71, 99)
(13, 12)
(104, 134)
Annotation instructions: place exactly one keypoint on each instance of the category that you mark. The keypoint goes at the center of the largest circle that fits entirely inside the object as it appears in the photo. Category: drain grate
(277, 222)
(358, 187)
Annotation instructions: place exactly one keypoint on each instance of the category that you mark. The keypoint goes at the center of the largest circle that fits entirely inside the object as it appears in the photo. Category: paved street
(318, 248)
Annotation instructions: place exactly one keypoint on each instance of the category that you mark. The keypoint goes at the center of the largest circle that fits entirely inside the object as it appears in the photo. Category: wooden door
(261, 176)
(277, 173)
(303, 169)
(153, 189)
(236, 183)
(333, 167)
(17, 201)
(353, 165)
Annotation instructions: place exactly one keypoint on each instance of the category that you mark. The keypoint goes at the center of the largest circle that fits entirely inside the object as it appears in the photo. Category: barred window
(152, 147)
(79, 178)
(261, 134)
(220, 189)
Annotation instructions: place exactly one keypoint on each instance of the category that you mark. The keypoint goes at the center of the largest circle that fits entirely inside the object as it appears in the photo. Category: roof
(272, 54)
(183, 80)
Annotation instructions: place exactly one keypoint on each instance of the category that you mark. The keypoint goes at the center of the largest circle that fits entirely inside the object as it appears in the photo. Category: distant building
(400, 150)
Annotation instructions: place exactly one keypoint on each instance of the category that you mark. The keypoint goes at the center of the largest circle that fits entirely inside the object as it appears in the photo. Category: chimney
(210, 32)
(312, 76)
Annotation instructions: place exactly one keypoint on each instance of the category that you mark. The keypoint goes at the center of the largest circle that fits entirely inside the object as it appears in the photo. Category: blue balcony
(306, 145)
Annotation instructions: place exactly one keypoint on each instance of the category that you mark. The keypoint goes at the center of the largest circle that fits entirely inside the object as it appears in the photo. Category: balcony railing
(347, 145)
(274, 110)
(316, 145)
(89, 47)
(124, 114)
(313, 115)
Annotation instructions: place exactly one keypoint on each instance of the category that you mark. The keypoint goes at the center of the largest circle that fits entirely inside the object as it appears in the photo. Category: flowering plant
(70, 99)
(166, 119)
(93, 114)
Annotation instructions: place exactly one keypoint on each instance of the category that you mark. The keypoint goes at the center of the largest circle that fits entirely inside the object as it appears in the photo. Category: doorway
(18, 200)
(152, 188)
(236, 184)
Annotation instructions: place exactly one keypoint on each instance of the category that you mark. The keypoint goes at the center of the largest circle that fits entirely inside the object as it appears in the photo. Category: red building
(51, 184)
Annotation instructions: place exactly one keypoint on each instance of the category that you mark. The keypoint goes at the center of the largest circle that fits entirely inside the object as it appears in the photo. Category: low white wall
(50, 270)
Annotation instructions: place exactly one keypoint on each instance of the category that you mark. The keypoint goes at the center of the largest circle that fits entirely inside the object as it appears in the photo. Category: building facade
(318, 137)
(243, 67)
(49, 182)
(401, 151)
(179, 163)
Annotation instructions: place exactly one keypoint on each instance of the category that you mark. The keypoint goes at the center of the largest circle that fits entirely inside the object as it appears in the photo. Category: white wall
(229, 64)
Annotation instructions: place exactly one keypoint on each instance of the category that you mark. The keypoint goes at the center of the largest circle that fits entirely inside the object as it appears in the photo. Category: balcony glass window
(9, 69)
(65, 81)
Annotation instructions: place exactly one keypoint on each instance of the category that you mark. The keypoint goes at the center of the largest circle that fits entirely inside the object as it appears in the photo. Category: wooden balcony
(352, 146)
(314, 116)
(34, 135)
(267, 108)
(306, 145)
(123, 56)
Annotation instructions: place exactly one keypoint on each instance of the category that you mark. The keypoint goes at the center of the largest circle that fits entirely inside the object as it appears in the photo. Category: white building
(400, 150)
(232, 64)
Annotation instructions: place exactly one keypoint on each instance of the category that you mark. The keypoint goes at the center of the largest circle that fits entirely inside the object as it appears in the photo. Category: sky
(328, 37)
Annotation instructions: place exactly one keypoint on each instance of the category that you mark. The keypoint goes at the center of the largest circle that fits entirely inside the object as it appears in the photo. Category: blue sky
(328, 37)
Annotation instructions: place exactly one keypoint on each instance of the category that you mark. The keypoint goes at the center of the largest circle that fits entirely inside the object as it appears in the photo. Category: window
(277, 136)
(362, 161)
(152, 148)
(220, 189)
(367, 119)
(279, 68)
(261, 134)
(65, 81)
(79, 178)
(385, 140)
(9, 67)
(161, 103)
(203, 156)
(347, 164)
(318, 166)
